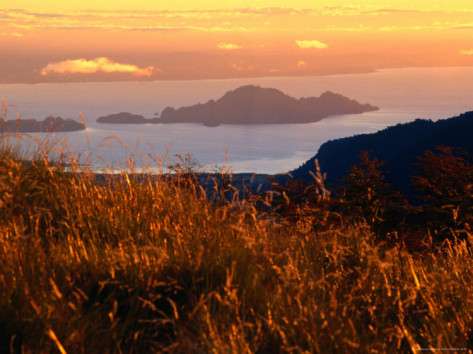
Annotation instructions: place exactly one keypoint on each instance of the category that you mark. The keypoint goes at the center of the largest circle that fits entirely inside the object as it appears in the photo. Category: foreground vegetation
(160, 264)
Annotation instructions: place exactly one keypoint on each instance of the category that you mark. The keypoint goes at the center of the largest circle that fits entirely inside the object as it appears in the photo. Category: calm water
(402, 95)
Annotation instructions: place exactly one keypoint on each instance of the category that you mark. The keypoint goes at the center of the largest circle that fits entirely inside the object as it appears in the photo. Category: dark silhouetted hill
(125, 118)
(48, 125)
(398, 146)
(251, 105)
(256, 105)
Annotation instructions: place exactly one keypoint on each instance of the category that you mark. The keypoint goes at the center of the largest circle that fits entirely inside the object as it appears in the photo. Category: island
(48, 125)
(126, 118)
(252, 105)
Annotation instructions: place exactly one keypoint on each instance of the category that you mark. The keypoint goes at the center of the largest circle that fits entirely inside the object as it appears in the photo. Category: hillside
(398, 147)
(137, 265)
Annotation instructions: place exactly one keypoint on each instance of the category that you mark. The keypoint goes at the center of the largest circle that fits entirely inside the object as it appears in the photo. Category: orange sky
(145, 40)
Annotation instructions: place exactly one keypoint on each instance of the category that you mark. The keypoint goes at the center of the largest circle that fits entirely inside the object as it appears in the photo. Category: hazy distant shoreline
(226, 78)
(72, 80)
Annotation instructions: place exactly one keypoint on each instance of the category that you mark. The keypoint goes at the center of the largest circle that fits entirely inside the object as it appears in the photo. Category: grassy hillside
(161, 265)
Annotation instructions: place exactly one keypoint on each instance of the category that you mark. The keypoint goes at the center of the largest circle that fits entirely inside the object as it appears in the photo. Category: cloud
(464, 26)
(11, 34)
(391, 11)
(146, 21)
(311, 44)
(467, 52)
(228, 46)
(273, 11)
(141, 28)
(301, 64)
(94, 66)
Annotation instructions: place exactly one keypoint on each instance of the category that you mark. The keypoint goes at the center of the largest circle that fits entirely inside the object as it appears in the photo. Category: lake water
(402, 94)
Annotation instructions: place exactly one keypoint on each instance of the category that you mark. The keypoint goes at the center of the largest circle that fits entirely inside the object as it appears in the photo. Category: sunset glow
(219, 39)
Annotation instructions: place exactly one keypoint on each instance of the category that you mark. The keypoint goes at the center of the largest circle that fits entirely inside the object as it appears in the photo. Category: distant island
(48, 125)
(126, 118)
(252, 105)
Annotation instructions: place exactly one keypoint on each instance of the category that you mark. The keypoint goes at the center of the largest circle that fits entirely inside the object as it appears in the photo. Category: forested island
(126, 118)
(48, 125)
(252, 105)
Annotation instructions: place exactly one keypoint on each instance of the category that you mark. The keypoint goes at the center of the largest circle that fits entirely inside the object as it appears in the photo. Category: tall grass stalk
(155, 265)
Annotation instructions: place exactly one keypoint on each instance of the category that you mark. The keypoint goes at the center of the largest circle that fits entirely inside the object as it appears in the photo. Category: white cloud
(229, 46)
(97, 65)
(311, 44)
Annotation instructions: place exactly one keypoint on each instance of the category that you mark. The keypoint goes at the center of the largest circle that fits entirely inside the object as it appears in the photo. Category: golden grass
(153, 265)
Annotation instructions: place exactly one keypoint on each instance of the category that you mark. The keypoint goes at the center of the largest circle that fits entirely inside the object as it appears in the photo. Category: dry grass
(148, 266)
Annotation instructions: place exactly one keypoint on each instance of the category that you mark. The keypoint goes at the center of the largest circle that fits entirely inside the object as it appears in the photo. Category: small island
(126, 118)
(252, 105)
(48, 125)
